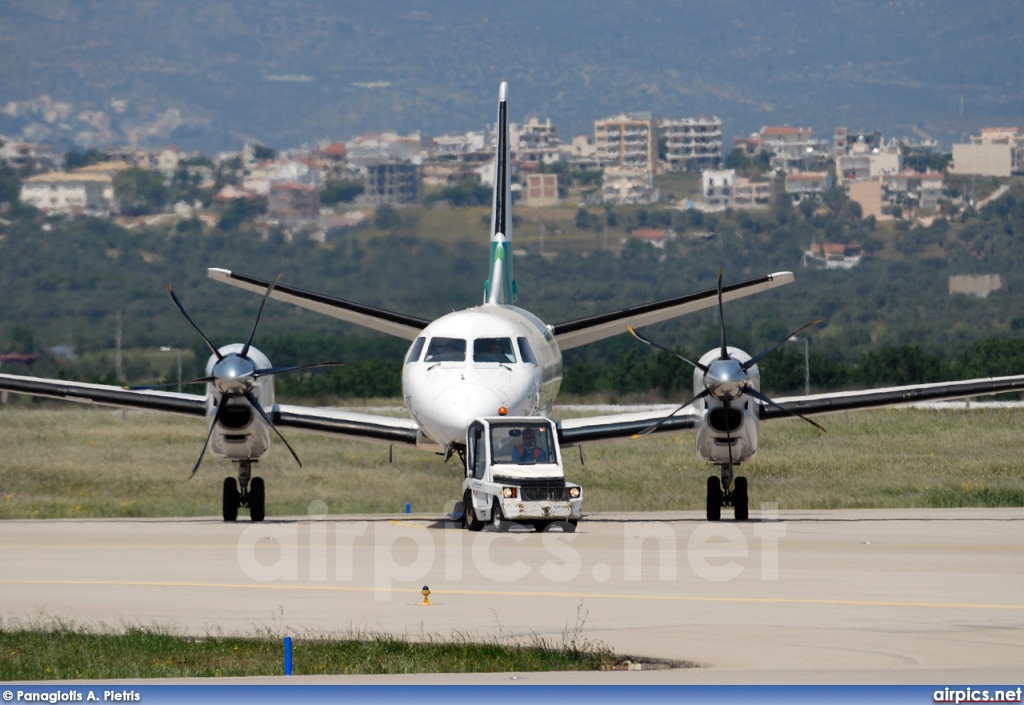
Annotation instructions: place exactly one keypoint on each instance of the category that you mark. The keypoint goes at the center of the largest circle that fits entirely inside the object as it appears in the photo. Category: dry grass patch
(58, 461)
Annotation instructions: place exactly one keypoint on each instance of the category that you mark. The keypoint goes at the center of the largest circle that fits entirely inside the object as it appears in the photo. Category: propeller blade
(245, 350)
(292, 368)
(757, 395)
(655, 427)
(200, 380)
(256, 405)
(650, 342)
(216, 418)
(188, 318)
(721, 317)
(760, 356)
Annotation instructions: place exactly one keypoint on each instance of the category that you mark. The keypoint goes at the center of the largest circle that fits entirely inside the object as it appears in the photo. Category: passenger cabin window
(493, 350)
(446, 350)
(522, 444)
(415, 350)
(526, 352)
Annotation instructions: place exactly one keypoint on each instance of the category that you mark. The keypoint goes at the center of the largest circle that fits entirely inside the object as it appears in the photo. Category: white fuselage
(475, 363)
(242, 434)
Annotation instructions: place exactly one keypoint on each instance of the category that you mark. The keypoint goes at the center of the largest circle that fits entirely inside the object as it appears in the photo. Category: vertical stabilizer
(500, 288)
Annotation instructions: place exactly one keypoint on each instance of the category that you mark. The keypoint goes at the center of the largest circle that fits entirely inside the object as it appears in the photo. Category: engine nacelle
(241, 433)
(721, 427)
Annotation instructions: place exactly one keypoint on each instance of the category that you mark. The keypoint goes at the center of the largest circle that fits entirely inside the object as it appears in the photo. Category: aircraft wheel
(469, 519)
(714, 503)
(230, 503)
(739, 499)
(257, 499)
(498, 520)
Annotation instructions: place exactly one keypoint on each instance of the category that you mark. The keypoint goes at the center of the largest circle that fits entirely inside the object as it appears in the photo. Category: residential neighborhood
(333, 186)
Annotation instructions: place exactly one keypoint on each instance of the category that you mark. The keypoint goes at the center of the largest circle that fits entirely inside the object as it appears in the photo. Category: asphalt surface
(851, 596)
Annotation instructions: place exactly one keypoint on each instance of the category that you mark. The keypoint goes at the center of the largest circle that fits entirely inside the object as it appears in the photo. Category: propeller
(234, 375)
(726, 378)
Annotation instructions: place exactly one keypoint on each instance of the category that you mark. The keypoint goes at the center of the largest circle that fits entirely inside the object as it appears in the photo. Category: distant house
(912, 188)
(541, 190)
(625, 185)
(293, 201)
(806, 184)
(997, 151)
(832, 256)
(70, 193)
(724, 189)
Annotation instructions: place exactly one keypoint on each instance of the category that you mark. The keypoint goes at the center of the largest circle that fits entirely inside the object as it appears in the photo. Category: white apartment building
(73, 193)
(724, 189)
(792, 148)
(536, 142)
(807, 184)
(628, 185)
(627, 141)
(692, 143)
(997, 151)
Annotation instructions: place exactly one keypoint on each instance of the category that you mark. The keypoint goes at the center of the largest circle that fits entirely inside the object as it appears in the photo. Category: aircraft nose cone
(726, 379)
(233, 375)
(455, 408)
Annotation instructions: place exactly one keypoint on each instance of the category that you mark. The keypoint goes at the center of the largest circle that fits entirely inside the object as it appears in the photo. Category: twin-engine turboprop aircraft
(490, 360)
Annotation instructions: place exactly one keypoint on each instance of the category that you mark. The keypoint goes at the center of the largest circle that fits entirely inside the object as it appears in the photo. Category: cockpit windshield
(493, 350)
(522, 444)
(446, 350)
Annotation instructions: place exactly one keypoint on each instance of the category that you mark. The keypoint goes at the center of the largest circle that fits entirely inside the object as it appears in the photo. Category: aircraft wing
(347, 424)
(105, 394)
(892, 396)
(623, 426)
(581, 331)
(389, 322)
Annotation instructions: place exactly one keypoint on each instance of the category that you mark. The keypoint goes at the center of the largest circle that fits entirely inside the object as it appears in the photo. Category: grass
(62, 650)
(61, 461)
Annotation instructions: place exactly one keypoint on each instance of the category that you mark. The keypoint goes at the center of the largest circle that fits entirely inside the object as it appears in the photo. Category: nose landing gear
(247, 492)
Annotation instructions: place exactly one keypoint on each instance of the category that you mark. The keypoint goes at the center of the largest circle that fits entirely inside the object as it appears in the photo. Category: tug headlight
(508, 492)
(574, 492)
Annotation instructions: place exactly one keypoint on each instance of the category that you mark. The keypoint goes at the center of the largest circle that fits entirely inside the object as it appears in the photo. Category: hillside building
(724, 189)
(628, 141)
(692, 144)
(289, 202)
(997, 151)
(628, 185)
(540, 190)
(808, 184)
(913, 189)
(536, 142)
(74, 193)
(792, 148)
(392, 183)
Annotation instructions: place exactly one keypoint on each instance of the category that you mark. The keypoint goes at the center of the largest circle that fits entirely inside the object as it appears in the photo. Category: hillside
(64, 282)
(210, 74)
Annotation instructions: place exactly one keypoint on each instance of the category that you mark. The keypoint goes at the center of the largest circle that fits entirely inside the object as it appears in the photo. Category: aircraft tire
(257, 499)
(469, 519)
(740, 500)
(714, 499)
(230, 499)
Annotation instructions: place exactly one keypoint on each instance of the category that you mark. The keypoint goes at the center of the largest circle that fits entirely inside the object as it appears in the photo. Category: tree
(338, 191)
(263, 154)
(76, 160)
(140, 191)
(386, 218)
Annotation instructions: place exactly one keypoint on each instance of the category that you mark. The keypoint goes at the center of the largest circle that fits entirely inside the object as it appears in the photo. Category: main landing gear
(736, 497)
(252, 494)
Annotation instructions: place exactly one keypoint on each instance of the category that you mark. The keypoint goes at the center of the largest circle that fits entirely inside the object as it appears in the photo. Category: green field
(63, 461)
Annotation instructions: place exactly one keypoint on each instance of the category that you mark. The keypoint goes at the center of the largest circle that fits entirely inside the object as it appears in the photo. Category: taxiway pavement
(849, 596)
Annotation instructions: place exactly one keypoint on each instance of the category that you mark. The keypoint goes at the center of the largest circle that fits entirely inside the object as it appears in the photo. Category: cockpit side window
(493, 350)
(446, 350)
(415, 350)
(526, 352)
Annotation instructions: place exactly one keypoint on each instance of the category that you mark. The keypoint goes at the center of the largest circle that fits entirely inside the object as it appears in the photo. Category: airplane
(488, 360)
